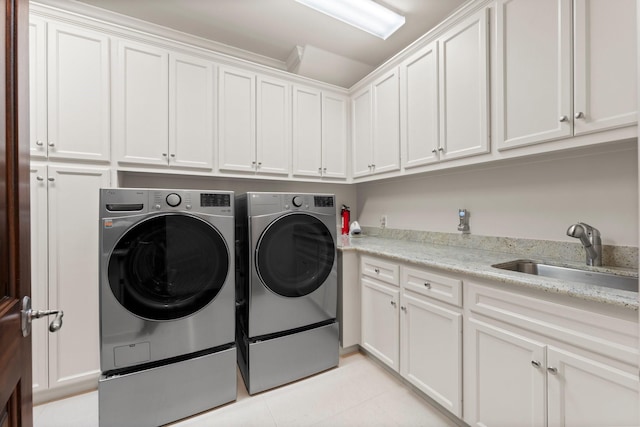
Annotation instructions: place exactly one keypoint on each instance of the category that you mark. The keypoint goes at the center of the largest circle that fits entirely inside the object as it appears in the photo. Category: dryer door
(295, 255)
(168, 267)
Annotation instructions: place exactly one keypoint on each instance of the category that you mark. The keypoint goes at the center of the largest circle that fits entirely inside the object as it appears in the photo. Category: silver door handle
(552, 370)
(564, 119)
(39, 178)
(51, 144)
(536, 364)
(27, 315)
(427, 285)
(393, 303)
(39, 143)
(579, 115)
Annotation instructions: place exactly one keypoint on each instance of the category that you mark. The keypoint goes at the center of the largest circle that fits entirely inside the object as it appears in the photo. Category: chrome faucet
(590, 239)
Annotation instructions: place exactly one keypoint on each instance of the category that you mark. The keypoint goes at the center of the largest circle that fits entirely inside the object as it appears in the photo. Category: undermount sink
(608, 280)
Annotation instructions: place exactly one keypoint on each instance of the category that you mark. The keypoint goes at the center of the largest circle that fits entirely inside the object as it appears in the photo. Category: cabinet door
(583, 392)
(502, 385)
(362, 138)
(236, 120)
(533, 71)
(78, 86)
(73, 272)
(39, 297)
(191, 100)
(273, 134)
(464, 101)
(37, 87)
(386, 123)
(334, 136)
(142, 104)
(307, 132)
(431, 350)
(380, 321)
(419, 107)
(605, 78)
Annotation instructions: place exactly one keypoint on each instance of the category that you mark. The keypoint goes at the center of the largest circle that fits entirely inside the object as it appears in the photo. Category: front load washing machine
(286, 287)
(167, 304)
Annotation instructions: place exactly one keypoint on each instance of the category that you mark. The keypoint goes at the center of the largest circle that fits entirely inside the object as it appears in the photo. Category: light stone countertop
(478, 263)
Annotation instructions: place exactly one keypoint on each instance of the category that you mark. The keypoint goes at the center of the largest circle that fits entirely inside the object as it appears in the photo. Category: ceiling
(288, 34)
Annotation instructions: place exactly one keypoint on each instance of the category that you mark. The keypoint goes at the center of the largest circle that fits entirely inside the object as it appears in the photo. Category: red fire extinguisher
(346, 218)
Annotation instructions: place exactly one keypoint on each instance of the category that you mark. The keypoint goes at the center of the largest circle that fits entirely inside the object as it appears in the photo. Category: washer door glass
(295, 254)
(168, 267)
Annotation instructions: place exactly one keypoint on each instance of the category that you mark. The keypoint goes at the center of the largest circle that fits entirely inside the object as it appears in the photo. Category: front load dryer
(286, 287)
(167, 304)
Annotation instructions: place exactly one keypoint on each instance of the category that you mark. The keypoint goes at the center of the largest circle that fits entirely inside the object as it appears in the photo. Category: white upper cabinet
(376, 126)
(334, 135)
(164, 108)
(191, 91)
(541, 94)
(236, 120)
(463, 85)
(307, 131)
(419, 107)
(444, 96)
(253, 123)
(605, 77)
(273, 127)
(386, 123)
(361, 132)
(142, 104)
(319, 133)
(69, 96)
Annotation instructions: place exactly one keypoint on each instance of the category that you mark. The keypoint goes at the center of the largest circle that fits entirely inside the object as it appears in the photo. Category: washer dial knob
(297, 201)
(173, 200)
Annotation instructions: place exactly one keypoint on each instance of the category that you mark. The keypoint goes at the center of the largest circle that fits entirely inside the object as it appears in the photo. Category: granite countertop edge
(478, 263)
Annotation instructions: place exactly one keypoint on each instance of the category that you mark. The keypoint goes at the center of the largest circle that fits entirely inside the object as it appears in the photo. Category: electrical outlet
(383, 221)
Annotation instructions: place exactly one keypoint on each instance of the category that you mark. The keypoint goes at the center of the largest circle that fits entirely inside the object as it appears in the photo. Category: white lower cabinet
(508, 387)
(380, 321)
(64, 240)
(412, 321)
(530, 362)
(585, 392)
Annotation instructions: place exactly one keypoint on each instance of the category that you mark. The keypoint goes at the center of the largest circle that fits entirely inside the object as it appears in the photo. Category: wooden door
(15, 350)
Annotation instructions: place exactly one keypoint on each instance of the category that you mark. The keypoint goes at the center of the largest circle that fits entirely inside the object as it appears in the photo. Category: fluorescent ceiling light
(363, 14)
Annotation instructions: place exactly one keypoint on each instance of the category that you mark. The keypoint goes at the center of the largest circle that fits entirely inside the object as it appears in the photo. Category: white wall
(345, 194)
(531, 199)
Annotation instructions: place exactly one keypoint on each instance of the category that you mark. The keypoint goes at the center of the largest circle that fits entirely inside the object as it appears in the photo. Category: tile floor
(358, 392)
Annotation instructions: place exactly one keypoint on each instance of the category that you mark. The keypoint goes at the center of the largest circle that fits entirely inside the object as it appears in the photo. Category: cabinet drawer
(382, 270)
(610, 336)
(436, 286)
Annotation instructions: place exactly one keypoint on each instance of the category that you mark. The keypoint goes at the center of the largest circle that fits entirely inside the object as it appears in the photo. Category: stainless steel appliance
(286, 287)
(167, 298)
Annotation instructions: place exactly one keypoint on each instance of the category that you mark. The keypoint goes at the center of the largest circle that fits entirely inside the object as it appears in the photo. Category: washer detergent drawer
(167, 393)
